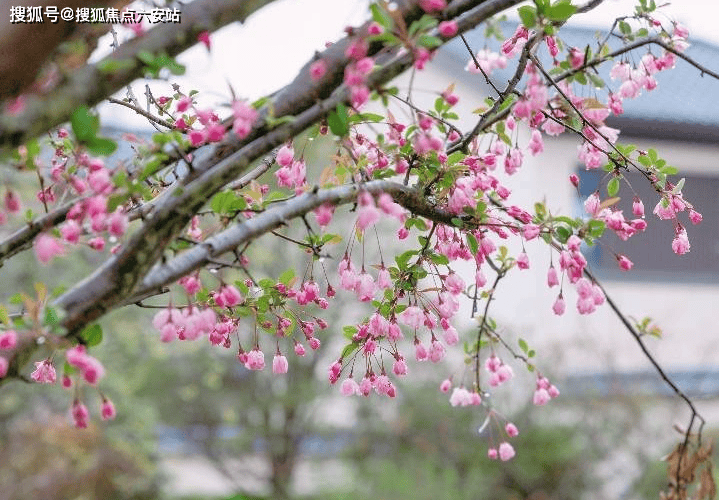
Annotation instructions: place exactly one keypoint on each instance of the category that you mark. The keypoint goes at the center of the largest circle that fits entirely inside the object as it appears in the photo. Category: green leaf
(91, 335)
(625, 28)
(4, 316)
(349, 348)
(429, 41)
(613, 186)
(523, 345)
(424, 23)
(669, 170)
(381, 16)
(644, 160)
(51, 317)
(560, 11)
(338, 121)
(439, 259)
(596, 228)
(84, 124)
(562, 233)
(222, 202)
(101, 146)
(110, 66)
(528, 15)
(472, 242)
(287, 276)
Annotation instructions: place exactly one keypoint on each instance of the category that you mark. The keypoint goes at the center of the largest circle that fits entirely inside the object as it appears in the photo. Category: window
(651, 250)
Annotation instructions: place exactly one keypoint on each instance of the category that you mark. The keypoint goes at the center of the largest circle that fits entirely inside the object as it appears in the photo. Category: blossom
(369, 214)
(506, 451)
(447, 28)
(432, 5)
(349, 387)
(523, 261)
(8, 340)
(680, 244)
(624, 263)
(44, 372)
(107, 410)
(47, 247)
(255, 359)
(79, 415)
(412, 317)
(511, 429)
(541, 397)
(279, 364)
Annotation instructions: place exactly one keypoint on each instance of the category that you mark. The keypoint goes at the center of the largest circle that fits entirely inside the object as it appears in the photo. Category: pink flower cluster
(90, 368)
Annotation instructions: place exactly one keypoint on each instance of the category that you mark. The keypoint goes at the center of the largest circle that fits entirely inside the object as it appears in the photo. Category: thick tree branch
(249, 230)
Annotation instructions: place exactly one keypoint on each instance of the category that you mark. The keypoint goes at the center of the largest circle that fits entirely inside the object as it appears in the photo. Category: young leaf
(613, 186)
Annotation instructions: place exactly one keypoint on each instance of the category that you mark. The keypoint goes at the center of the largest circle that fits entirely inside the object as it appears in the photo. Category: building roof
(684, 106)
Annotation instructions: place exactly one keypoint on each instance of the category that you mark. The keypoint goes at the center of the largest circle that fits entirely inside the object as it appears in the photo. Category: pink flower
(230, 296)
(523, 261)
(71, 231)
(97, 243)
(454, 283)
(695, 217)
(279, 364)
(318, 69)
(107, 410)
(314, 343)
(576, 58)
(541, 397)
(12, 202)
(460, 397)
(368, 212)
(492, 453)
(44, 372)
(552, 278)
(552, 46)
(400, 367)
(357, 49)
(8, 340)
(506, 451)
(638, 207)
(436, 351)
(117, 223)
(197, 138)
(559, 306)
(420, 351)
(448, 28)
(680, 244)
(47, 247)
(375, 29)
(255, 359)
(285, 156)
(591, 204)
(299, 349)
(412, 317)
(446, 385)
(624, 263)
(204, 38)
(511, 429)
(349, 387)
(432, 5)
(323, 214)
(79, 415)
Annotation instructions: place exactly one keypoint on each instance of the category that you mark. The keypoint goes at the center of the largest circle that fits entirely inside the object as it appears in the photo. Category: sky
(266, 52)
